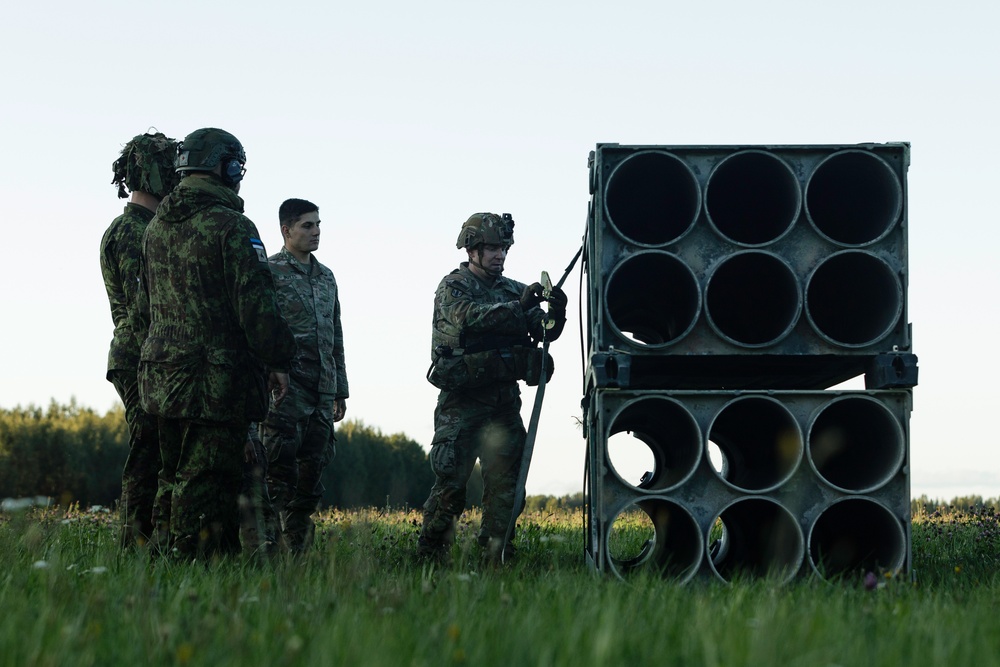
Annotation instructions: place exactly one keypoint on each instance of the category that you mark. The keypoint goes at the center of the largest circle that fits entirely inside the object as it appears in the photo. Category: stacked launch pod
(728, 288)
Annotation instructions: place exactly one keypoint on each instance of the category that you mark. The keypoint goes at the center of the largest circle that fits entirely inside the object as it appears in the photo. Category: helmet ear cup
(232, 171)
(156, 184)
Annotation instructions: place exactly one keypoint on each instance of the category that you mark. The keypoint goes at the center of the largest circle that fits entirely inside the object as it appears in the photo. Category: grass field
(67, 597)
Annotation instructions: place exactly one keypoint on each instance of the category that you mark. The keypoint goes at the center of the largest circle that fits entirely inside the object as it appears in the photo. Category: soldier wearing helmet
(485, 337)
(212, 151)
(214, 332)
(144, 173)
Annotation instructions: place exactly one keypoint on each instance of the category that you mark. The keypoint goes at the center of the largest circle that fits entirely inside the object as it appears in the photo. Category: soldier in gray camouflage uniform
(145, 168)
(485, 334)
(298, 435)
(214, 332)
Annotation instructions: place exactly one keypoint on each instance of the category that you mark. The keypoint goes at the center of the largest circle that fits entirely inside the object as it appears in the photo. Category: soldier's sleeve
(251, 292)
(140, 313)
(110, 270)
(343, 389)
(458, 310)
(130, 270)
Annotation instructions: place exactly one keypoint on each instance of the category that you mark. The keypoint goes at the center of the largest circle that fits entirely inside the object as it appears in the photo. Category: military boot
(299, 531)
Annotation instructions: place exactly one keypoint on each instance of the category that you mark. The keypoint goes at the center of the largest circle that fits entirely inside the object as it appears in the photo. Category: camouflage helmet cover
(488, 228)
(205, 149)
(146, 164)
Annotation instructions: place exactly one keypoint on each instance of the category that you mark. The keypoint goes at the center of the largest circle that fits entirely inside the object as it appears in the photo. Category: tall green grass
(68, 597)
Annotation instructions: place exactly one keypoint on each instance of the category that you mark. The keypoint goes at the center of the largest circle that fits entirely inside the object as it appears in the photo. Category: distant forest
(72, 454)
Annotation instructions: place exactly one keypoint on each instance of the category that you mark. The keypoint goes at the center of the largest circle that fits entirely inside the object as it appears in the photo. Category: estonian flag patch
(258, 245)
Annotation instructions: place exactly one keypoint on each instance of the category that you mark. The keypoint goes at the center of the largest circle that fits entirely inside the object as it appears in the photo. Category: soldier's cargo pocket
(488, 367)
(449, 373)
(443, 455)
(169, 379)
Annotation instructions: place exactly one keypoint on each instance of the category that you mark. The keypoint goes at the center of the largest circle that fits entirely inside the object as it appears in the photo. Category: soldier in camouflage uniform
(485, 334)
(298, 435)
(145, 168)
(214, 333)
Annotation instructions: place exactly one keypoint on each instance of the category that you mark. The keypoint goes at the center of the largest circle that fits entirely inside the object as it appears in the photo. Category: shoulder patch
(457, 286)
(258, 247)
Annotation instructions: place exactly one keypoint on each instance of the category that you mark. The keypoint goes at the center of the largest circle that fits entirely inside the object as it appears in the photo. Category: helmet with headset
(208, 148)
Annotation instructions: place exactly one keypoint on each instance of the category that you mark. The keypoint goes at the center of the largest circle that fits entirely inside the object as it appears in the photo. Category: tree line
(72, 454)
(66, 452)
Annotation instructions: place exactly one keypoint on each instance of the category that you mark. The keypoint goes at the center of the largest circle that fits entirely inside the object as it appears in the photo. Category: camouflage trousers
(466, 430)
(300, 442)
(141, 467)
(258, 522)
(196, 502)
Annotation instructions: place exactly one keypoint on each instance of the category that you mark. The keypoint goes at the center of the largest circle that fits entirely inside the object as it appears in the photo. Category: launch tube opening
(655, 535)
(853, 198)
(753, 299)
(752, 198)
(652, 298)
(652, 198)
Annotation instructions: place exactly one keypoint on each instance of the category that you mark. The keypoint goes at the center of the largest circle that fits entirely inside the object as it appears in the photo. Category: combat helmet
(207, 148)
(488, 228)
(146, 164)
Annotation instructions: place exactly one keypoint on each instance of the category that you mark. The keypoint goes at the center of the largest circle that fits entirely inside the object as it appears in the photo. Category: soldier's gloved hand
(531, 296)
(558, 301)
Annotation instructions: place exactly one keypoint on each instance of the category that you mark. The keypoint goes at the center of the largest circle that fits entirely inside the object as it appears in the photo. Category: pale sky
(400, 119)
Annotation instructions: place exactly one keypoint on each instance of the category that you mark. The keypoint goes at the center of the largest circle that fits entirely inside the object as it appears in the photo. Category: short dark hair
(292, 209)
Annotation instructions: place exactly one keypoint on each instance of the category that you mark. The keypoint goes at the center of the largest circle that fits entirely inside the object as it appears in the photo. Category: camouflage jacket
(214, 323)
(483, 323)
(308, 299)
(120, 250)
